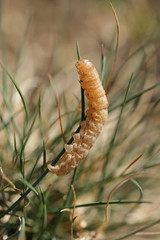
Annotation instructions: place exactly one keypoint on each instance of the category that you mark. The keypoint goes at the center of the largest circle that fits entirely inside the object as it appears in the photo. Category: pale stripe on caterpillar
(96, 116)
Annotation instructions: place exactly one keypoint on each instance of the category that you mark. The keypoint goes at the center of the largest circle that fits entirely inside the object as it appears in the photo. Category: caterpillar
(96, 116)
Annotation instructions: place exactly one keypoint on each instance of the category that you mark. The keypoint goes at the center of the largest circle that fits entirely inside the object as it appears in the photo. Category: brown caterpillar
(96, 115)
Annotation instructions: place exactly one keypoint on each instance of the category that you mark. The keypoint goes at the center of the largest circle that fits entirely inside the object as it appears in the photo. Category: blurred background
(37, 47)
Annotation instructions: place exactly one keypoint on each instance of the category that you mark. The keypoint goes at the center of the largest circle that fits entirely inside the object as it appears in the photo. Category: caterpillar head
(83, 66)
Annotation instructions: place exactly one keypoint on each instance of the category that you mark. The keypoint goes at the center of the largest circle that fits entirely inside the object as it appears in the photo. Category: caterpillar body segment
(96, 116)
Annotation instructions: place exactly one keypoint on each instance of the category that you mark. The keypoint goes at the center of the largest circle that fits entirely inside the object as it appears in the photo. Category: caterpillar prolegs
(96, 115)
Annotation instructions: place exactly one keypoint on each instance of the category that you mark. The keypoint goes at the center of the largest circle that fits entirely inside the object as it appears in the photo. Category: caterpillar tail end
(53, 169)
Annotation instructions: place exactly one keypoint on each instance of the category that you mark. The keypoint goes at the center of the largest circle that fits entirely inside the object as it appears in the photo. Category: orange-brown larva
(96, 115)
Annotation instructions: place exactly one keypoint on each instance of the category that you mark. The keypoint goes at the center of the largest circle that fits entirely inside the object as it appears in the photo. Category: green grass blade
(44, 210)
(18, 90)
(26, 183)
(78, 51)
(24, 142)
(102, 203)
(111, 145)
(34, 166)
(135, 182)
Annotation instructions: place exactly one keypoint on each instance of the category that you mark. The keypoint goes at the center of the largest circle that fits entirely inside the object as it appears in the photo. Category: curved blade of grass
(108, 83)
(22, 230)
(120, 184)
(11, 184)
(135, 182)
(18, 90)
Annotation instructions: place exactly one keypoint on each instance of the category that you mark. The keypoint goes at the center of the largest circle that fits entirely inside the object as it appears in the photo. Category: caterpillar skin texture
(96, 116)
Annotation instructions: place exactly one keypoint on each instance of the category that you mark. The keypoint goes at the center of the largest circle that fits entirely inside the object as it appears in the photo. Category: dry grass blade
(133, 162)
(5, 178)
(120, 184)
(59, 107)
